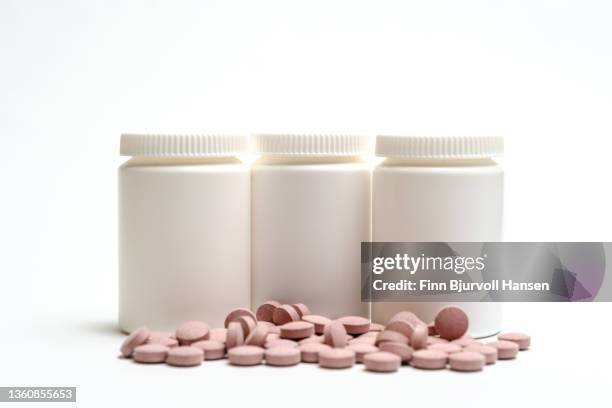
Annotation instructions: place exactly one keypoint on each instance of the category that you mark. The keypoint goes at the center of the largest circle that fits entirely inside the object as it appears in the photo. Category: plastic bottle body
(309, 218)
(184, 240)
(439, 201)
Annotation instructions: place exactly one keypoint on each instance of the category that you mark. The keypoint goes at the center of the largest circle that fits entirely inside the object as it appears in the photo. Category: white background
(74, 75)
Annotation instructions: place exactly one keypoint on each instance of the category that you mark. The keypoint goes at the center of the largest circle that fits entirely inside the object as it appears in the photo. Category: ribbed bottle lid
(183, 145)
(439, 147)
(310, 145)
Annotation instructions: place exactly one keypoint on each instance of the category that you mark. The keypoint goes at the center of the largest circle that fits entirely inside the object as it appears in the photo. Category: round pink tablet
(401, 326)
(266, 310)
(312, 339)
(283, 356)
(418, 340)
(297, 330)
(257, 337)
(157, 335)
(336, 358)
(363, 340)
(389, 335)
(382, 362)
(280, 343)
(164, 341)
(435, 340)
(489, 353)
(213, 349)
(184, 356)
(466, 341)
(523, 340)
(451, 322)
(133, 340)
(429, 359)
(355, 324)
(466, 361)
(505, 349)
(235, 335)
(192, 331)
(285, 314)
(218, 334)
(376, 327)
(150, 353)
(361, 349)
(408, 316)
(241, 311)
(402, 350)
(247, 323)
(447, 348)
(245, 355)
(335, 334)
(272, 336)
(301, 309)
(319, 322)
(310, 351)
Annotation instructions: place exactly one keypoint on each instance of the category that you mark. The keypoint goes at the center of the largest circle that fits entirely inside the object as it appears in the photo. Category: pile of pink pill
(285, 335)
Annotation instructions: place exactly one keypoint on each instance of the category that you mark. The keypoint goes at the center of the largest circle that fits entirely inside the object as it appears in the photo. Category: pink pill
(301, 309)
(466, 361)
(274, 330)
(235, 335)
(212, 349)
(296, 330)
(185, 356)
(382, 362)
(163, 341)
(451, 322)
(280, 343)
(218, 334)
(311, 339)
(505, 349)
(335, 334)
(336, 358)
(408, 316)
(283, 356)
(402, 350)
(376, 327)
(319, 322)
(489, 353)
(150, 353)
(523, 340)
(310, 351)
(355, 324)
(245, 355)
(435, 340)
(257, 337)
(363, 340)
(247, 323)
(429, 359)
(361, 350)
(272, 336)
(403, 327)
(192, 331)
(285, 314)
(447, 348)
(389, 335)
(419, 337)
(234, 314)
(136, 338)
(466, 341)
(155, 335)
(266, 310)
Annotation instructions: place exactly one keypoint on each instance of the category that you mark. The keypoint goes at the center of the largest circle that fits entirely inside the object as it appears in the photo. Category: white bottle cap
(183, 145)
(439, 147)
(310, 145)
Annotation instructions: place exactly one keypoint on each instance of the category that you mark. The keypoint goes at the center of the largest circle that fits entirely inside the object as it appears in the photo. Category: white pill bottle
(311, 211)
(439, 189)
(184, 229)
